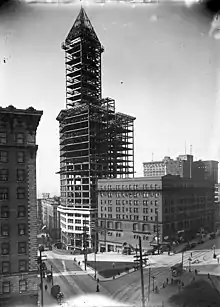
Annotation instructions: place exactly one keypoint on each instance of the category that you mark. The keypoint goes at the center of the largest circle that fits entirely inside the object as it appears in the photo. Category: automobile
(177, 269)
(193, 244)
(212, 236)
(149, 252)
(200, 241)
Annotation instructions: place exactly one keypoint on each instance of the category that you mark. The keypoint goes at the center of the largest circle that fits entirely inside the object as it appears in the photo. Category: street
(127, 289)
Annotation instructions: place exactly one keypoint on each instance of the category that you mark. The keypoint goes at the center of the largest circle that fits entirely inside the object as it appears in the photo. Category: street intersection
(75, 281)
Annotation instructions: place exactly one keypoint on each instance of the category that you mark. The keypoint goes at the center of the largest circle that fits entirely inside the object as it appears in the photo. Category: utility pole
(52, 275)
(105, 231)
(41, 279)
(149, 284)
(158, 234)
(96, 226)
(182, 258)
(142, 273)
(85, 243)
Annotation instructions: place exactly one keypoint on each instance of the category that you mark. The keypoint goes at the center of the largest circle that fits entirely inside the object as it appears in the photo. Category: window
(5, 230)
(78, 228)
(70, 221)
(118, 209)
(78, 221)
(145, 218)
(70, 227)
(3, 193)
(135, 210)
(20, 157)
(22, 247)
(136, 217)
(22, 285)
(110, 216)
(3, 156)
(4, 212)
(20, 138)
(21, 211)
(5, 267)
(6, 287)
(22, 265)
(20, 193)
(145, 210)
(156, 203)
(5, 249)
(21, 229)
(20, 174)
(3, 138)
(3, 175)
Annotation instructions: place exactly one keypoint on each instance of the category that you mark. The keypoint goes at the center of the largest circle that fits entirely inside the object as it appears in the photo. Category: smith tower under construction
(95, 141)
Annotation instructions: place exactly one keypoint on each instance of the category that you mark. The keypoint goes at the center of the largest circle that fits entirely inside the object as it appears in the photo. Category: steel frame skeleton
(95, 140)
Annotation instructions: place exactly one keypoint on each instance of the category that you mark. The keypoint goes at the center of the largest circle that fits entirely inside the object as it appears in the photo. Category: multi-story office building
(95, 140)
(153, 208)
(184, 166)
(18, 215)
(217, 207)
(51, 217)
(181, 166)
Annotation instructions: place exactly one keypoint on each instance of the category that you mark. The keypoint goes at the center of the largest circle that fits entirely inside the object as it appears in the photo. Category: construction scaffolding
(95, 141)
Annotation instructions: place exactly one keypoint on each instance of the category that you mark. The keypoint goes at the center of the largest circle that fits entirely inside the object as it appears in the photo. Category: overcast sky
(164, 55)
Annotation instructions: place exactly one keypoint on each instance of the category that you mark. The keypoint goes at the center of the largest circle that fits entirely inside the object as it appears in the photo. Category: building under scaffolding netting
(95, 140)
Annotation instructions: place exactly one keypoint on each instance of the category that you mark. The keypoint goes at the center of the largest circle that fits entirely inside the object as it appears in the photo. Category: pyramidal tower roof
(81, 25)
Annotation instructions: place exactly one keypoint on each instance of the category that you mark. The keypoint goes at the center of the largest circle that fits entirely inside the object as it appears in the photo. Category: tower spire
(81, 26)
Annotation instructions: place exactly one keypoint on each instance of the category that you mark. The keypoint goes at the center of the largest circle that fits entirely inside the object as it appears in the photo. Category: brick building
(217, 206)
(181, 166)
(154, 208)
(184, 166)
(18, 208)
(51, 216)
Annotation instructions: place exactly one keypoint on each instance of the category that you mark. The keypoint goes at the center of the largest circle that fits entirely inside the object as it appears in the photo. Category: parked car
(212, 236)
(193, 244)
(149, 252)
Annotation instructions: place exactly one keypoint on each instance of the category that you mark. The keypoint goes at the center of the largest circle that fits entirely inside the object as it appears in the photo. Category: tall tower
(95, 141)
(83, 63)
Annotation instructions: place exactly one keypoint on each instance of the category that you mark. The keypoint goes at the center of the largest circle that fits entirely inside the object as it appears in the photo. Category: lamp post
(153, 277)
(190, 264)
(52, 275)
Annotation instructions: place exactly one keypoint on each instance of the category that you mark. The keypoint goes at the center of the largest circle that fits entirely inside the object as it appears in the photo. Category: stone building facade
(18, 206)
(158, 208)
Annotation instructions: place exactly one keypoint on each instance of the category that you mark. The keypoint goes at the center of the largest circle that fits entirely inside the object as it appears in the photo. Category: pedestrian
(97, 288)
(167, 280)
(191, 255)
(163, 284)
(45, 287)
(218, 260)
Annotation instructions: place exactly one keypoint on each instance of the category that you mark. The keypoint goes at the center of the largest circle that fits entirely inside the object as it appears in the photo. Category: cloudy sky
(167, 56)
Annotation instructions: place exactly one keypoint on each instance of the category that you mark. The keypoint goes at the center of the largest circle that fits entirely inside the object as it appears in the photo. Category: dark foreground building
(95, 140)
(18, 206)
